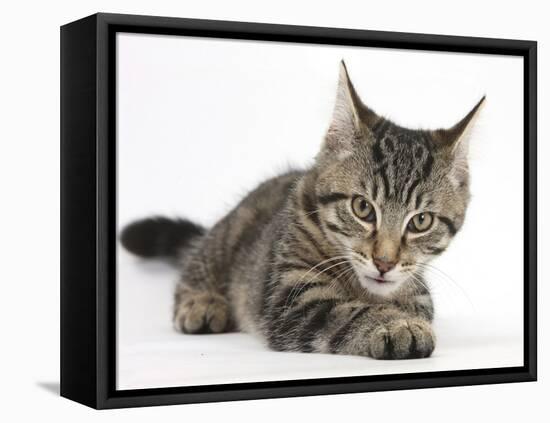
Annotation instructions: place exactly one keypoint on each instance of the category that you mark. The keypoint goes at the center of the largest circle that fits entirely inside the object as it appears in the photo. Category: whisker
(320, 264)
(418, 282)
(302, 286)
(447, 278)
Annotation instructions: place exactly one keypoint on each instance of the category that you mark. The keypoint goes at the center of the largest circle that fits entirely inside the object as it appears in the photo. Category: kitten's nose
(383, 266)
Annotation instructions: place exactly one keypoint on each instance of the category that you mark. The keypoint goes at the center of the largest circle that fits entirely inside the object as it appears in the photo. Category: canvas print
(293, 211)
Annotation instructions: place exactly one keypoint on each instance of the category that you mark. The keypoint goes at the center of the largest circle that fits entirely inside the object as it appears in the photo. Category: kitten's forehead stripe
(405, 159)
(414, 183)
(381, 171)
(418, 201)
(374, 190)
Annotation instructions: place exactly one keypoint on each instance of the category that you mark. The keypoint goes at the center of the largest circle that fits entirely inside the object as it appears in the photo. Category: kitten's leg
(200, 311)
(382, 332)
(200, 304)
(321, 320)
(419, 305)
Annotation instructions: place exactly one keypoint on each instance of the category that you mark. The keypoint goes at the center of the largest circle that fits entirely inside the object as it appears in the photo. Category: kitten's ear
(350, 115)
(346, 109)
(456, 138)
(454, 143)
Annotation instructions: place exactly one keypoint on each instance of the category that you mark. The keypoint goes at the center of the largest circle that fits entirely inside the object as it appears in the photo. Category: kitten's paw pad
(402, 339)
(202, 313)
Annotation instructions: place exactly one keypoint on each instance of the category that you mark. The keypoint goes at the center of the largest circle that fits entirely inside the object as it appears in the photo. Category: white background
(29, 172)
(202, 121)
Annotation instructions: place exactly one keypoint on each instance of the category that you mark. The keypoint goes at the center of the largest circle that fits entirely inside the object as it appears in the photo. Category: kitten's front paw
(202, 313)
(401, 339)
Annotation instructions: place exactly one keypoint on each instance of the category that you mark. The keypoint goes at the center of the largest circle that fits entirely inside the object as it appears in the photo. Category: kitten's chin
(381, 288)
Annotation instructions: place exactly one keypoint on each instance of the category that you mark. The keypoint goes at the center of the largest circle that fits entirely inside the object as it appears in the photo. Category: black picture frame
(88, 205)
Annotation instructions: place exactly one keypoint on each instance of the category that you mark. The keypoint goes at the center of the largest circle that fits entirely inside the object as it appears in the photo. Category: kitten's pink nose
(383, 266)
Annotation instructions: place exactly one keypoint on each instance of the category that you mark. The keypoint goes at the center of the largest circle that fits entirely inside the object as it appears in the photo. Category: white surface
(153, 355)
(29, 175)
(203, 121)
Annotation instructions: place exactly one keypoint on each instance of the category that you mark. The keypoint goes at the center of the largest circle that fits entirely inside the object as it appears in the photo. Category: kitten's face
(391, 199)
(402, 204)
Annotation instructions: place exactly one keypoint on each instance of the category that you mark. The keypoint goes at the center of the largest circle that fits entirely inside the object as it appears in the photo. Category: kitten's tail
(159, 237)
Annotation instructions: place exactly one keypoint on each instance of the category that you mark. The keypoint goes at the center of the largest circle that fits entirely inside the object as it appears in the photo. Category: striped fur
(293, 264)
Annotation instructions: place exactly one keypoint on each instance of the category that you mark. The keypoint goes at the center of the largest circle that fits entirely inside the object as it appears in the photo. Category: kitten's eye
(363, 209)
(420, 222)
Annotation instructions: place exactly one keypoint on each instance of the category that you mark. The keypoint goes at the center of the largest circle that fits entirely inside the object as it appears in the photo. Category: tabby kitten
(328, 259)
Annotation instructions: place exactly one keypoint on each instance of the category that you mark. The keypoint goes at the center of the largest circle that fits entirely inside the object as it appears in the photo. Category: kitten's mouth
(379, 285)
(379, 280)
